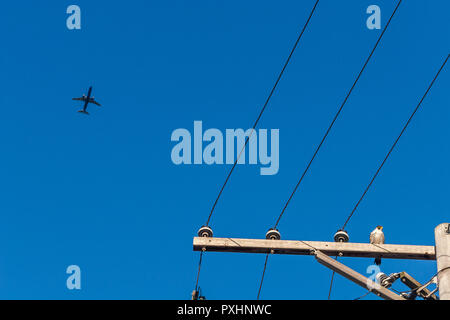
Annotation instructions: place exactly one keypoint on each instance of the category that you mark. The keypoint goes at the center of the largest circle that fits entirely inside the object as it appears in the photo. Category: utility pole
(341, 247)
(442, 238)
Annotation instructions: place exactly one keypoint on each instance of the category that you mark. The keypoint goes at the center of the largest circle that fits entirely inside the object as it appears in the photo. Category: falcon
(377, 237)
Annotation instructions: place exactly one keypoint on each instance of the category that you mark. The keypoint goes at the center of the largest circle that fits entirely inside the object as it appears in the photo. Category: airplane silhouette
(87, 99)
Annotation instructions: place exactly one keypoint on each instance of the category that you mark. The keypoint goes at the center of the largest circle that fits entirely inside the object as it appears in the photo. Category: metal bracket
(356, 277)
(417, 288)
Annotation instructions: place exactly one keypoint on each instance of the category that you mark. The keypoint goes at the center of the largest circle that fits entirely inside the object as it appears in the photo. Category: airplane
(87, 99)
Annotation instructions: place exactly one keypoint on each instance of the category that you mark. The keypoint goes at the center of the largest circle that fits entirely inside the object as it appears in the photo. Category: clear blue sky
(101, 191)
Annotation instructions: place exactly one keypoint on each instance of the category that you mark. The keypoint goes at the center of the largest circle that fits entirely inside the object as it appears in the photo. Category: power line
(254, 126)
(262, 110)
(364, 295)
(331, 283)
(331, 125)
(388, 154)
(198, 271)
(262, 277)
(337, 115)
(265, 266)
(395, 143)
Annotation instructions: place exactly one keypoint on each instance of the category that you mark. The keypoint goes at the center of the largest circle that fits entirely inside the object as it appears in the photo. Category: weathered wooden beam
(344, 249)
(356, 277)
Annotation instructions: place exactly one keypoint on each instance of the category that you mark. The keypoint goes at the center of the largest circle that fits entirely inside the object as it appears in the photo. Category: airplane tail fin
(85, 112)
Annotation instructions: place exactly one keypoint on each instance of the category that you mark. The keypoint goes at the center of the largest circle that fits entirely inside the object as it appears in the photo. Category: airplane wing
(80, 99)
(95, 102)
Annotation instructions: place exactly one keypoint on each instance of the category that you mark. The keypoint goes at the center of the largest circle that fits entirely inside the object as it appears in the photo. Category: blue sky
(102, 192)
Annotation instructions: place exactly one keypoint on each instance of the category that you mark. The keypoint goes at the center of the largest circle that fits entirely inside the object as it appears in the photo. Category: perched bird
(377, 237)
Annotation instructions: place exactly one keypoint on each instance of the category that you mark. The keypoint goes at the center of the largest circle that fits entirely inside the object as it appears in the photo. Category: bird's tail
(377, 261)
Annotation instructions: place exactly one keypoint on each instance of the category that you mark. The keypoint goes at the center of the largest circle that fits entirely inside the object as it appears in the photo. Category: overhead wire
(392, 148)
(319, 146)
(395, 143)
(336, 116)
(256, 122)
(262, 277)
(262, 110)
(195, 294)
(363, 296)
(313, 249)
(331, 282)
